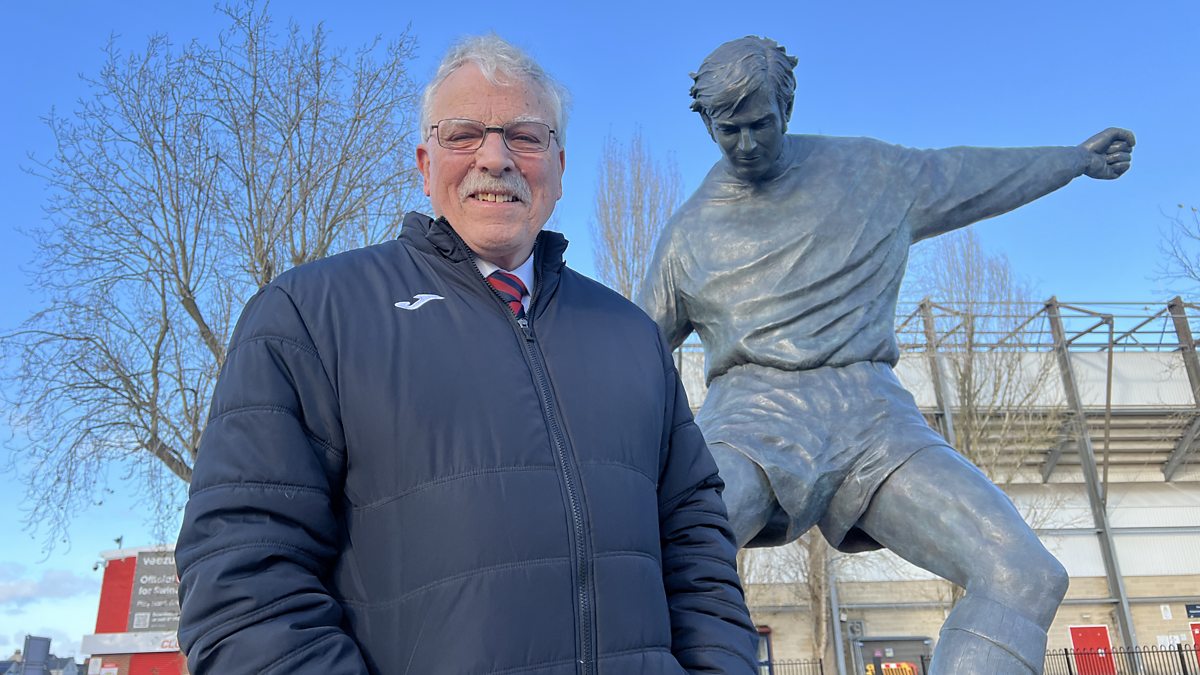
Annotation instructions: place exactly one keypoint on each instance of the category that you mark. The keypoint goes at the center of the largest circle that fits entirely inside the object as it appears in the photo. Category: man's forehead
(515, 98)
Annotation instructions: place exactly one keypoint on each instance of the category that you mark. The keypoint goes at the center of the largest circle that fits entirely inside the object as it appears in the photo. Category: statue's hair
(740, 67)
(501, 63)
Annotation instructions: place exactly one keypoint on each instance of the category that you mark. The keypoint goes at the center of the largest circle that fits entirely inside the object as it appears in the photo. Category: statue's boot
(984, 637)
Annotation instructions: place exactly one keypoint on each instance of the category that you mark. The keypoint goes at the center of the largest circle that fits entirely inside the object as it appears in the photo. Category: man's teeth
(491, 197)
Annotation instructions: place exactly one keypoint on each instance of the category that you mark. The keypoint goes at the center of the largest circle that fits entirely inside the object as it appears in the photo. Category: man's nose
(493, 156)
(746, 141)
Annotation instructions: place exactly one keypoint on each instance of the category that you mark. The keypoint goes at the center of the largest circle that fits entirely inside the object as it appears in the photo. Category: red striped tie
(511, 290)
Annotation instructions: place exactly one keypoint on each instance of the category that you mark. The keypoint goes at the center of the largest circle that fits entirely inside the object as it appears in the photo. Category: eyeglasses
(456, 134)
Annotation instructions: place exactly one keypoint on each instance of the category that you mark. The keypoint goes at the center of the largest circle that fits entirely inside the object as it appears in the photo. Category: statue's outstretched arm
(955, 187)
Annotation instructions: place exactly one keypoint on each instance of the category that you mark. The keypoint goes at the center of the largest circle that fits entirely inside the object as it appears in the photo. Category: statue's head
(744, 92)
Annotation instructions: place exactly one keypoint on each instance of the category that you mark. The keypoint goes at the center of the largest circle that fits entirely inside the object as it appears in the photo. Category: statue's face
(751, 137)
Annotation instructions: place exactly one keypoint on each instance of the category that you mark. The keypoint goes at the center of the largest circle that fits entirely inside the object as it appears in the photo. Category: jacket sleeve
(711, 630)
(955, 187)
(260, 530)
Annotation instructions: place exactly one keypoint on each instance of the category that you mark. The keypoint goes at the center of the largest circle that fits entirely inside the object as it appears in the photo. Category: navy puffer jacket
(445, 490)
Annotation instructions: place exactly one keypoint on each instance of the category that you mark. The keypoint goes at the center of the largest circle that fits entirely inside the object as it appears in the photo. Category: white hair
(500, 63)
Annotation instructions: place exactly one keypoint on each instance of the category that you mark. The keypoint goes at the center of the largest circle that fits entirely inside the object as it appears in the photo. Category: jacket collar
(438, 235)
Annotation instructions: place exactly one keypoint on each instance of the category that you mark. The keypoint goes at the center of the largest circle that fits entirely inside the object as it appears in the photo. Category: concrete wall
(918, 608)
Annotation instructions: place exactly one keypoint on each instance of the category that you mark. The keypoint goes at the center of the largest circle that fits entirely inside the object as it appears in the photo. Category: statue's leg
(941, 513)
(748, 497)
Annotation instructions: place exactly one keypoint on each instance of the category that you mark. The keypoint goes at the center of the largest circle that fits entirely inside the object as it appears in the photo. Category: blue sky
(924, 74)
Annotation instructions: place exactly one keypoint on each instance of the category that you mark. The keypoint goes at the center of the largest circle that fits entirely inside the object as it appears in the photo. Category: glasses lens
(460, 134)
(527, 136)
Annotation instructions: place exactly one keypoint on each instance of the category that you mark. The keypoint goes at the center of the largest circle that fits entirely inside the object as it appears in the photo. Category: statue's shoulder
(831, 158)
(809, 144)
(692, 220)
(715, 187)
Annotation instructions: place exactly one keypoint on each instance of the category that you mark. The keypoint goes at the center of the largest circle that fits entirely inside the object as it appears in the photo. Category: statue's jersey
(804, 270)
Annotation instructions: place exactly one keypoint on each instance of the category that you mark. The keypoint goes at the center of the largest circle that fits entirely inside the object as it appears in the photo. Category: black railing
(1181, 659)
(792, 667)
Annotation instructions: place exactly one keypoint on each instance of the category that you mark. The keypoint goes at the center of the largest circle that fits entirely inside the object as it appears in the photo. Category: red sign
(1093, 650)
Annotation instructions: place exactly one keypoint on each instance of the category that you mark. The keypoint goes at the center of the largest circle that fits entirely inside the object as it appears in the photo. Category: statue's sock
(984, 637)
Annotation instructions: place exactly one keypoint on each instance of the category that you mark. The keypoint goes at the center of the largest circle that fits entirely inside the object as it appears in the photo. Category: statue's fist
(1112, 151)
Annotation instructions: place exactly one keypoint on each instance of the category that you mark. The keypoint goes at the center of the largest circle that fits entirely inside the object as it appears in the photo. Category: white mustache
(513, 184)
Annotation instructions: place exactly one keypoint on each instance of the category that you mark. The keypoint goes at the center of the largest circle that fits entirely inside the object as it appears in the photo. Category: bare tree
(1180, 247)
(1002, 387)
(634, 197)
(186, 179)
(798, 573)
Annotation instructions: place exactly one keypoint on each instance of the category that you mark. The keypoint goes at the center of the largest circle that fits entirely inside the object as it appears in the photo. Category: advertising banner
(154, 605)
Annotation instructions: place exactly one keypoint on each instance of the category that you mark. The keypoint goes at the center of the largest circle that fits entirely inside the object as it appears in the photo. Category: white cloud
(17, 588)
(47, 602)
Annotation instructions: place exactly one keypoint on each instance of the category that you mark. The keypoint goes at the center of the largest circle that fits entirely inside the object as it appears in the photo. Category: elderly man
(787, 261)
(451, 454)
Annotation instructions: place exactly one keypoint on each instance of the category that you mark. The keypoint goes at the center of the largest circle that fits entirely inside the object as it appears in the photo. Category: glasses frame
(435, 132)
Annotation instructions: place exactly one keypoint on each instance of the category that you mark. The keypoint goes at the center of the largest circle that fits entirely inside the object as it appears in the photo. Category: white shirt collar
(524, 272)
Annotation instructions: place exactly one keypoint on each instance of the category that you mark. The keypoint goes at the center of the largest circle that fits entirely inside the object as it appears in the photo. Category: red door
(1093, 650)
(1196, 639)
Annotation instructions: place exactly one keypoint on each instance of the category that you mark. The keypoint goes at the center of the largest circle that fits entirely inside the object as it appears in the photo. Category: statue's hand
(1111, 150)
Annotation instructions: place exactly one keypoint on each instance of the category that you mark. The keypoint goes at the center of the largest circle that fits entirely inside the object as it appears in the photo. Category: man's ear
(562, 166)
(423, 166)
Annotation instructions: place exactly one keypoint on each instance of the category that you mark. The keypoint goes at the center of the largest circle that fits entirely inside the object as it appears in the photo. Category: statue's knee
(1056, 578)
(1027, 576)
(1045, 571)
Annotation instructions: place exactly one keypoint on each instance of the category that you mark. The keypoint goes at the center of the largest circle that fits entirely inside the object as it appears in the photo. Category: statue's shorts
(826, 439)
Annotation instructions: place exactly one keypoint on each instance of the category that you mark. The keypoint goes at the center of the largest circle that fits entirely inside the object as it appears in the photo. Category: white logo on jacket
(418, 300)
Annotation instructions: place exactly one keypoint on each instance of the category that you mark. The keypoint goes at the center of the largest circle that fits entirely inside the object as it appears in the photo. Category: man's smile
(494, 197)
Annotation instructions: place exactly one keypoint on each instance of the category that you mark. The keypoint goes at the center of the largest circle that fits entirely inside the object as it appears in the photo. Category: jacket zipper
(565, 465)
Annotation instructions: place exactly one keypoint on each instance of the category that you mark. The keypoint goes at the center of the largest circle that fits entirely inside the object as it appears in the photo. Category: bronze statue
(787, 262)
